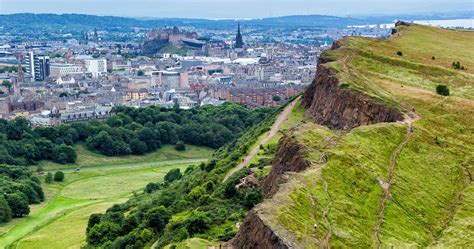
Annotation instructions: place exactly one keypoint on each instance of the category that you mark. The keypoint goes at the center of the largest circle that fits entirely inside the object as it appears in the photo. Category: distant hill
(80, 21)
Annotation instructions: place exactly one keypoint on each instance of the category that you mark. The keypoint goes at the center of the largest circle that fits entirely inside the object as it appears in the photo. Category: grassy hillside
(60, 221)
(429, 201)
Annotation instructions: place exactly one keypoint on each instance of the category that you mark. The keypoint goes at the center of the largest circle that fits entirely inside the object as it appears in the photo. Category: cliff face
(338, 108)
(287, 158)
(253, 233)
(327, 104)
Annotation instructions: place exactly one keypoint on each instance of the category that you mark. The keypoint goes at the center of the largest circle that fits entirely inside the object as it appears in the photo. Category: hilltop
(381, 159)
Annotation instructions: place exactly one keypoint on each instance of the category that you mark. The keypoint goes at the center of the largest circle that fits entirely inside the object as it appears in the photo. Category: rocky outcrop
(253, 233)
(330, 105)
(339, 108)
(287, 158)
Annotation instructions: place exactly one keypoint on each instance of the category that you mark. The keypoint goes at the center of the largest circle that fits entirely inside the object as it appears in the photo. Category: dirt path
(273, 131)
(327, 237)
(386, 184)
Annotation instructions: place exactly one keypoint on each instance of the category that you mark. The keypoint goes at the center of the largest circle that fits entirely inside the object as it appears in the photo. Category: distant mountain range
(75, 22)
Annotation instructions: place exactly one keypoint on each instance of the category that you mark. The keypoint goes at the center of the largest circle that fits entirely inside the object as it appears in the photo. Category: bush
(457, 65)
(64, 154)
(49, 178)
(173, 175)
(442, 90)
(399, 53)
(180, 146)
(18, 204)
(157, 218)
(5, 210)
(103, 232)
(58, 176)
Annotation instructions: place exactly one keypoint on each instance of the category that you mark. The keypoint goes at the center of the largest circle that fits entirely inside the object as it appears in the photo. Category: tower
(239, 43)
(96, 36)
(54, 117)
(20, 77)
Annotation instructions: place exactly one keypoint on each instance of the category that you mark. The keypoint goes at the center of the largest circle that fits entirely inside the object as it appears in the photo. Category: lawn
(87, 158)
(60, 221)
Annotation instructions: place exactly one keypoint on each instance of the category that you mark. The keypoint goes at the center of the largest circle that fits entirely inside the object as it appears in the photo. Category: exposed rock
(253, 233)
(341, 108)
(287, 158)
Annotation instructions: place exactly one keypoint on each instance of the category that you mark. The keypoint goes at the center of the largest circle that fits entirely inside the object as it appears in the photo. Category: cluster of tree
(22, 145)
(138, 131)
(18, 189)
(58, 177)
(206, 206)
(129, 131)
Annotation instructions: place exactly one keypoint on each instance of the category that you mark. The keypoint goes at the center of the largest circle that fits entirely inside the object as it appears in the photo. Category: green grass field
(60, 221)
(430, 203)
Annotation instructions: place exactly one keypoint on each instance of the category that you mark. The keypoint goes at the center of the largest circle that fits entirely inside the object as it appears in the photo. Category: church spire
(239, 43)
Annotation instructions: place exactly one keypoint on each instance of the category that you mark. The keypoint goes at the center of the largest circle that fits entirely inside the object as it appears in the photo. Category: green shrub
(58, 176)
(442, 90)
(399, 53)
(180, 146)
(49, 178)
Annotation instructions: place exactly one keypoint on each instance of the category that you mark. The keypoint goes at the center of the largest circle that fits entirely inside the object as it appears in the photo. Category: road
(273, 131)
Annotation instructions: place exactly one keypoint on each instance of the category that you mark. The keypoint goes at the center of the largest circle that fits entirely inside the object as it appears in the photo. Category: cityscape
(83, 76)
(236, 124)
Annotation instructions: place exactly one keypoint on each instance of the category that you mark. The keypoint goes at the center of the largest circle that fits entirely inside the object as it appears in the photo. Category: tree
(103, 232)
(172, 175)
(180, 146)
(5, 210)
(399, 53)
(276, 98)
(7, 84)
(49, 178)
(58, 176)
(140, 73)
(197, 222)
(157, 218)
(64, 154)
(18, 204)
(138, 147)
(442, 90)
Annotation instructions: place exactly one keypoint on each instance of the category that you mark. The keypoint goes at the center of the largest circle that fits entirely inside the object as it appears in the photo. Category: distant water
(453, 23)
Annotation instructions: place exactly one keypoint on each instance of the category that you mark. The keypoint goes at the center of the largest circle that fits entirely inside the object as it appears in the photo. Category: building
(38, 66)
(61, 70)
(239, 43)
(96, 67)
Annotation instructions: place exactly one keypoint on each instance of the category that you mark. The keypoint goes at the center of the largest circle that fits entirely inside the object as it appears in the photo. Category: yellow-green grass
(87, 158)
(67, 231)
(431, 171)
(81, 194)
(195, 243)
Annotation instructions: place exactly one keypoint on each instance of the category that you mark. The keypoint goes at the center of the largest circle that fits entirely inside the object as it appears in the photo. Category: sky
(218, 9)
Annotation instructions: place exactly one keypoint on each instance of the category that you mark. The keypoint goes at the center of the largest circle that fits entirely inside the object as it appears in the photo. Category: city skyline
(222, 9)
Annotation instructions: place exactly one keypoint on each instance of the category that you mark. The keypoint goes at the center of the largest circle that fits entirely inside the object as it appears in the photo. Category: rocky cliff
(288, 157)
(253, 233)
(329, 104)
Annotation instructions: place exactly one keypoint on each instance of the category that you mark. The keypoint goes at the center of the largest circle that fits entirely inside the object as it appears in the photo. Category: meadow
(61, 220)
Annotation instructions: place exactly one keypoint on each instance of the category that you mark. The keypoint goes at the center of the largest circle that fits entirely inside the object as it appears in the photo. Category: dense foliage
(191, 203)
(18, 189)
(129, 131)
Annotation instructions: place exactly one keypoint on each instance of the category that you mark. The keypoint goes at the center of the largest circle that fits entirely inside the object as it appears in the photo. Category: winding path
(386, 185)
(273, 131)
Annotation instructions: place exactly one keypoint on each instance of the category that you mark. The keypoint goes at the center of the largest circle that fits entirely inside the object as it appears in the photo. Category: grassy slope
(70, 203)
(87, 158)
(431, 172)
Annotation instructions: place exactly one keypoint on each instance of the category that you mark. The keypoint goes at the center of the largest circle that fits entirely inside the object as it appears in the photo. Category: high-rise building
(38, 66)
(239, 43)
